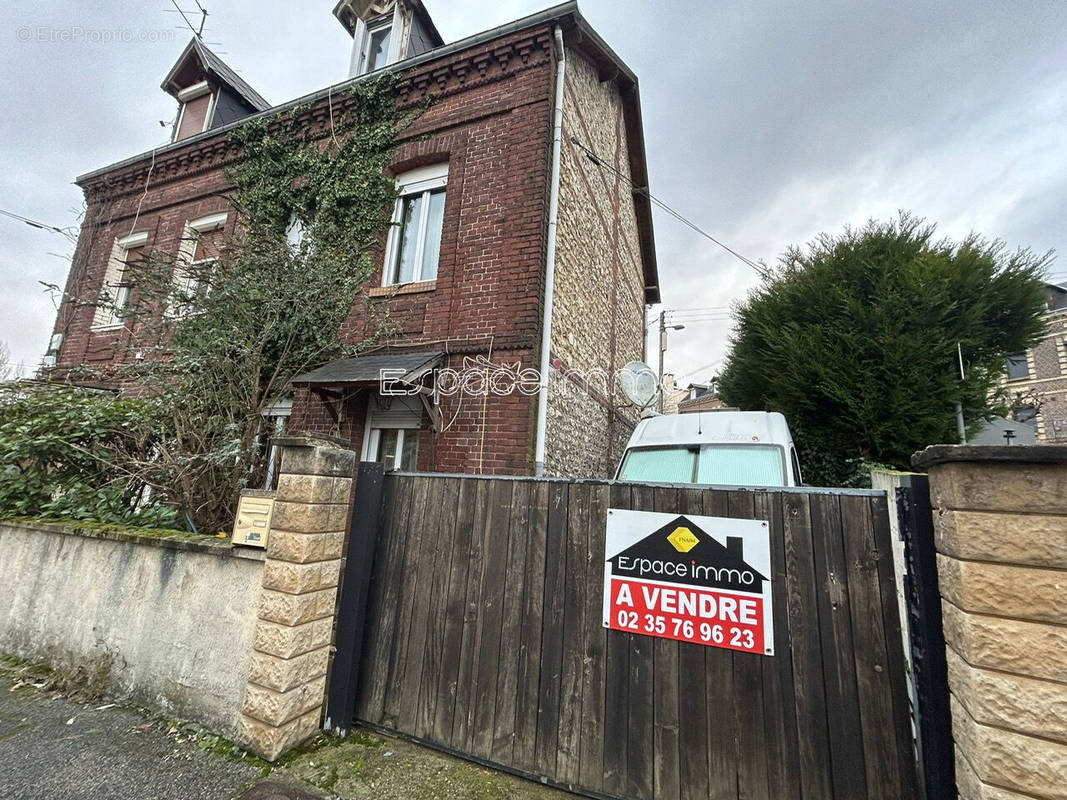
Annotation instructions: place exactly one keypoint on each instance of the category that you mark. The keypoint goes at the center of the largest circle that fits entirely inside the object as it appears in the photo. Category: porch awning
(367, 370)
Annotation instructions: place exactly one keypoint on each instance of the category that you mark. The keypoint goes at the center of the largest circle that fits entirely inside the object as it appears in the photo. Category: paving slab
(54, 749)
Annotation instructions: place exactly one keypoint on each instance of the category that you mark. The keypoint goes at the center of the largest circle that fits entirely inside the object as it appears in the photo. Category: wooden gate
(483, 636)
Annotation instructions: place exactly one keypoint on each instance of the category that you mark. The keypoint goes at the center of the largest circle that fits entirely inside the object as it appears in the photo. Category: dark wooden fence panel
(485, 638)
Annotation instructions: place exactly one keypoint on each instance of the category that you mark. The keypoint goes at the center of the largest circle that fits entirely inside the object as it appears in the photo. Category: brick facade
(1046, 384)
(491, 121)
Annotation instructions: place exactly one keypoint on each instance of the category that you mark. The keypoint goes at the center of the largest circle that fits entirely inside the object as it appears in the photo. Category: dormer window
(385, 32)
(209, 93)
(376, 51)
(197, 107)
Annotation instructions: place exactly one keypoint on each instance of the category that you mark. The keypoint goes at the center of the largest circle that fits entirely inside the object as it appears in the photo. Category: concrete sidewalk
(55, 749)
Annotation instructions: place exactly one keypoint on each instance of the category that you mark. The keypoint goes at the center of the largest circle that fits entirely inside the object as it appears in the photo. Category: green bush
(65, 454)
(856, 339)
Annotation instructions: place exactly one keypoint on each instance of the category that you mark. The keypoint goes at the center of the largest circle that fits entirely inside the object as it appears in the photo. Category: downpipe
(550, 258)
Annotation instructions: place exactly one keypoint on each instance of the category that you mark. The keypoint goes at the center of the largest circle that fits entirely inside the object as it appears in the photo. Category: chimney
(735, 547)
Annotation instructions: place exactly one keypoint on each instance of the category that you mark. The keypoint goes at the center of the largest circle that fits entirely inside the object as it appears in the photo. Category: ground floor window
(394, 448)
(392, 432)
(275, 422)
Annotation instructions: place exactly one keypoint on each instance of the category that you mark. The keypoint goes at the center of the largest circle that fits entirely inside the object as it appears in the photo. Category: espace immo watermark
(76, 34)
(480, 377)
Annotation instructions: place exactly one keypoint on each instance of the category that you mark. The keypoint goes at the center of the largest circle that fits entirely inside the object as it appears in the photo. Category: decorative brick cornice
(438, 79)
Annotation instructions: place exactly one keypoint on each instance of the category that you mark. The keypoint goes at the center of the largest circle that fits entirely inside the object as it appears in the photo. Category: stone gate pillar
(1000, 521)
(287, 676)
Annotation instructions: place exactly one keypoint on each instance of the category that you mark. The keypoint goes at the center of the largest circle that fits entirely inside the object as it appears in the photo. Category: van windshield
(716, 464)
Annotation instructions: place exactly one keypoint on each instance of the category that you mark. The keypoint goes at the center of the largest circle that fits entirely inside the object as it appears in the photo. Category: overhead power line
(643, 190)
(44, 226)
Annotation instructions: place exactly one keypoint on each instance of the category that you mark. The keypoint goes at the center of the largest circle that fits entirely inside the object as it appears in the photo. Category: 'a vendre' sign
(704, 580)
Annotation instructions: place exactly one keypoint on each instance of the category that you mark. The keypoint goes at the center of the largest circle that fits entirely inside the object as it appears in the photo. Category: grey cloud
(765, 122)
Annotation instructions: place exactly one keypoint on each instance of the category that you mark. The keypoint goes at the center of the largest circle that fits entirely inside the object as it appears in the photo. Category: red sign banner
(700, 616)
(703, 580)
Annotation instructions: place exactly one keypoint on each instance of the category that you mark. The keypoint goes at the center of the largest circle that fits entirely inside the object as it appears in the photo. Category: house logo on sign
(696, 579)
(683, 539)
(682, 551)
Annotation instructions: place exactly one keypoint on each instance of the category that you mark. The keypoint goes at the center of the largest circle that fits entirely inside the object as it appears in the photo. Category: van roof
(701, 427)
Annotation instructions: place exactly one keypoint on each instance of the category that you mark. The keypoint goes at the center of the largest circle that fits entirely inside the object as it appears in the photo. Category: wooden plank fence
(484, 637)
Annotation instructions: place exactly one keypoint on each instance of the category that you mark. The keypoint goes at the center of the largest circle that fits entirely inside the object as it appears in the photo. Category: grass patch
(368, 766)
(128, 530)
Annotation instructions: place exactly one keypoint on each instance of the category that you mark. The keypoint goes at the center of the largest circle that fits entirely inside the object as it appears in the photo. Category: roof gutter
(550, 258)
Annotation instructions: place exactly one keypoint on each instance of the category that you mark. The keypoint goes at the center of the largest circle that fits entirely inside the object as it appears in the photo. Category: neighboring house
(672, 394)
(1000, 432)
(701, 397)
(1036, 381)
(469, 289)
(694, 397)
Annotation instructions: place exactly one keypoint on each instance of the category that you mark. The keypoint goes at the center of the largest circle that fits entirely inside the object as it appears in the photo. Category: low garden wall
(168, 622)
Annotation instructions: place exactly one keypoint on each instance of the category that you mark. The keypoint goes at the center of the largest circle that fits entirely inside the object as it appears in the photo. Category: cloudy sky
(766, 122)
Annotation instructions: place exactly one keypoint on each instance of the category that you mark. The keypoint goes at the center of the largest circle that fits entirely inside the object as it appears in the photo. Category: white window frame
(210, 112)
(187, 258)
(296, 231)
(372, 436)
(109, 316)
(373, 439)
(192, 93)
(280, 411)
(424, 181)
(362, 38)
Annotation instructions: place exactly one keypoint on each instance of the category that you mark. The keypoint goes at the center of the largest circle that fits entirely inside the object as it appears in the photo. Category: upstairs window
(115, 293)
(377, 52)
(414, 248)
(201, 243)
(295, 232)
(1018, 367)
(197, 109)
(377, 42)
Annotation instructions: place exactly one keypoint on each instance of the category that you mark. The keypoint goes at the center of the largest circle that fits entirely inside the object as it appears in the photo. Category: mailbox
(254, 512)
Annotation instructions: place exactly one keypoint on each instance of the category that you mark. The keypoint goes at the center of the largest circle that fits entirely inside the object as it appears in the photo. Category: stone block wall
(598, 316)
(291, 648)
(1000, 519)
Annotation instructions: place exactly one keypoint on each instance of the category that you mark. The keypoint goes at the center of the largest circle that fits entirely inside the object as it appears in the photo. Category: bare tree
(5, 362)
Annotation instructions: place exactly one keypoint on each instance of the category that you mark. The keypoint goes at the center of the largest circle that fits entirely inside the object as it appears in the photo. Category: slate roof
(367, 369)
(220, 70)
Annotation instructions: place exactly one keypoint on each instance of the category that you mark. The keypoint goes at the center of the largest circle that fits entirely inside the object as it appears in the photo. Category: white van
(719, 448)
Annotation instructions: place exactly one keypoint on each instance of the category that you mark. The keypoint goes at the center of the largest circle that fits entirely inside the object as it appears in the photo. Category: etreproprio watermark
(76, 34)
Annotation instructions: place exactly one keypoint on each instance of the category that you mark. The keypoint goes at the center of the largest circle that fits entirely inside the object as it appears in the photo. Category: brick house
(503, 213)
(1036, 381)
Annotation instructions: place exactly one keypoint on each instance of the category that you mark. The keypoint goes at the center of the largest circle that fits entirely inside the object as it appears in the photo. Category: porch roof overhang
(368, 370)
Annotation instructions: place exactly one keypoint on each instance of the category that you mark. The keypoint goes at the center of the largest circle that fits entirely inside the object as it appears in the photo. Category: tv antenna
(198, 32)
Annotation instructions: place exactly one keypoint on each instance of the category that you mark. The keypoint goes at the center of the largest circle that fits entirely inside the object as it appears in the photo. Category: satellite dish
(639, 383)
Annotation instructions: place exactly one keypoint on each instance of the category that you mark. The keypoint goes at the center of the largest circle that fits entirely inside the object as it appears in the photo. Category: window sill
(118, 326)
(403, 288)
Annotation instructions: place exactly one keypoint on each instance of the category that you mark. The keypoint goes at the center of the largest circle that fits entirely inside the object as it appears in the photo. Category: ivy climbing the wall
(218, 339)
